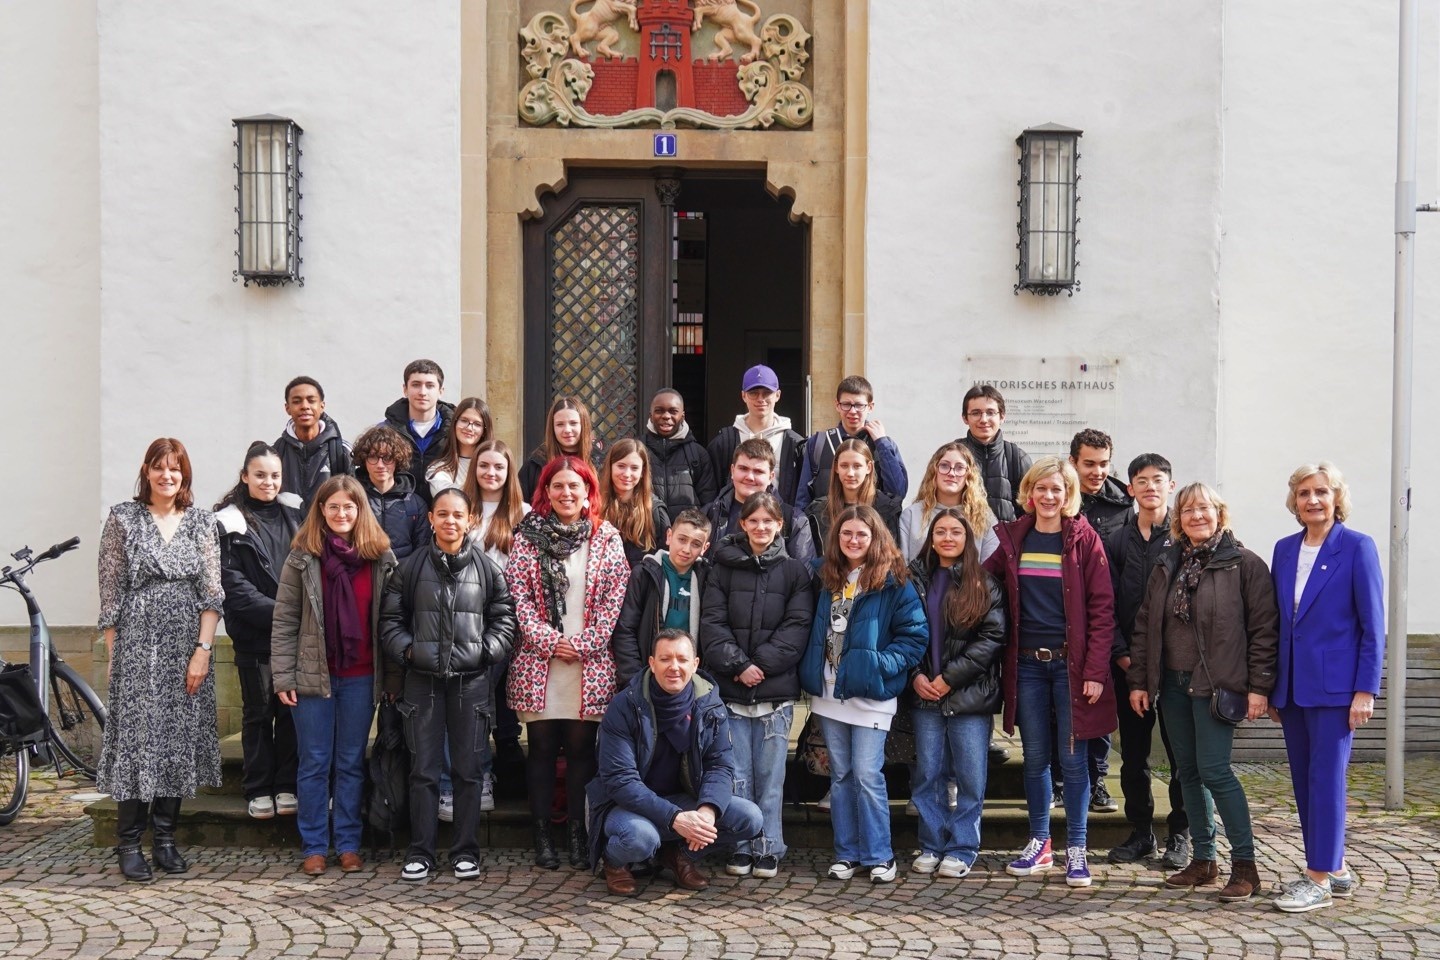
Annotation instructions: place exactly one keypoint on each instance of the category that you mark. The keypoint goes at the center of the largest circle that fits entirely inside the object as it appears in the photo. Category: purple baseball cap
(760, 376)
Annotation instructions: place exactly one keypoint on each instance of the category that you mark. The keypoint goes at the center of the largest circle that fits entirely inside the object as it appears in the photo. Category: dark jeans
(436, 709)
(1136, 733)
(267, 731)
(1202, 748)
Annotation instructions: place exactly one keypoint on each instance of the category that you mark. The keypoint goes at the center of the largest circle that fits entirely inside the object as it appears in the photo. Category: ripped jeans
(761, 746)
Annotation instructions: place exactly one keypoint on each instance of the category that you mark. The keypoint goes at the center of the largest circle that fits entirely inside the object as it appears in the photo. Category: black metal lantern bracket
(1041, 288)
(293, 216)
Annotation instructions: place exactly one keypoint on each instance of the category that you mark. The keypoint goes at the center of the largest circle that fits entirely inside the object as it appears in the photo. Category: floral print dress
(159, 740)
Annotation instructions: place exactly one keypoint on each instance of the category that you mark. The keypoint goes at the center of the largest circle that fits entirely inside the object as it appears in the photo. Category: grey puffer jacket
(448, 615)
(297, 633)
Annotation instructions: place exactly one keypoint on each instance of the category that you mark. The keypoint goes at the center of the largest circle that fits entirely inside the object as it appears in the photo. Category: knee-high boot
(164, 812)
(130, 820)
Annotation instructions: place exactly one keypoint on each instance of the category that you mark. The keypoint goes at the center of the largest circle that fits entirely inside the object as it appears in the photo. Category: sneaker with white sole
(1100, 799)
(286, 804)
(1077, 870)
(884, 872)
(953, 868)
(261, 808)
(1343, 884)
(767, 866)
(415, 871)
(1037, 857)
(466, 868)
(740, 865)
(824, 802)
(487, 793)
(1303, 896)
(842, 869)
(925, 863)
(447, 808)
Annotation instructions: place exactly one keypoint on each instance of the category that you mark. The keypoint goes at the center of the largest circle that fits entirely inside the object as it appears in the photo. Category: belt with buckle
(1044, 654)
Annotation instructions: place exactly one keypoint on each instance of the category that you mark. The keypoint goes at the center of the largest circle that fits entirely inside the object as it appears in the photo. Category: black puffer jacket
(250, 575)
(818, 513)
(401, 512)
(1107, 508)
(1002, 466)
(970, 660)
(799, 543)
(304, 465)
(680, 470)
(397, 417)
(448, 615)
(647, 598)
(757, 610)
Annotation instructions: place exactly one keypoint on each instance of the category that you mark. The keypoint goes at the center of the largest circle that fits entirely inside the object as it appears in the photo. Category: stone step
(220, 820)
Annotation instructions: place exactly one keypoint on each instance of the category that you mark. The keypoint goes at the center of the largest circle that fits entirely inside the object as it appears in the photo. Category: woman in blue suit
(1332, 643)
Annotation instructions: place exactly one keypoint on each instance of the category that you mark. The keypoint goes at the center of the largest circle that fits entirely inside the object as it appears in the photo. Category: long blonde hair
(511, 508)
(368, 537)
(973, 503)
(634, 518)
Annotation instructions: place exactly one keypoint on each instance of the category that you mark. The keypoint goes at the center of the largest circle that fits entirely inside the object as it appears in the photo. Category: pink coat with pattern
(606, 576)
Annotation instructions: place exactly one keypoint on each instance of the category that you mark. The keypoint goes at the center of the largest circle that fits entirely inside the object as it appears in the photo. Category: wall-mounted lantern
(267, 165)
(1048, 178)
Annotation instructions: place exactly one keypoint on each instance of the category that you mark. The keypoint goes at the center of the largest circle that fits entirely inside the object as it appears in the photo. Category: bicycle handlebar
(30, 561)
(59, 548)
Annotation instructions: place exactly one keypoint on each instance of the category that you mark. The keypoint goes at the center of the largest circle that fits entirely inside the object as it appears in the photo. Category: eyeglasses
(852, 407)
(380, 458)
(952, 469)
(983, 415)
(1142, 483)
(469, 425)
(1198, 510)
(861, 537)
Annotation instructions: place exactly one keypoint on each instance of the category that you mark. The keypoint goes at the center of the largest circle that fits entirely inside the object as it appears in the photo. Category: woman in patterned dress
(567, 574)
(160, 598)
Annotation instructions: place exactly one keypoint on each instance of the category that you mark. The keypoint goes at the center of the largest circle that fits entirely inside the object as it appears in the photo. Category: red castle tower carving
(665, 50)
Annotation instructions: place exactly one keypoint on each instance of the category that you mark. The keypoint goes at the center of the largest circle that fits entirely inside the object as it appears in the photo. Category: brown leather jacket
(297, 633)
(1235, 617)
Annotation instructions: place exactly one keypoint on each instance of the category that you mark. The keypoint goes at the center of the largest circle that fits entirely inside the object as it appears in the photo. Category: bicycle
(76, 717)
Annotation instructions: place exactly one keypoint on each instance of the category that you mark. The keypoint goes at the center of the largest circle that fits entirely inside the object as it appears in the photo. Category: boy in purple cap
(760, 389)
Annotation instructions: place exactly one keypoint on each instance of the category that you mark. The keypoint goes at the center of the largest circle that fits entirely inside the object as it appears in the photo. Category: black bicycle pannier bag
(22, 719)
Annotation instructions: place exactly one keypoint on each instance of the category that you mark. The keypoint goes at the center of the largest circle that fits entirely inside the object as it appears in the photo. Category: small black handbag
(1227, 706)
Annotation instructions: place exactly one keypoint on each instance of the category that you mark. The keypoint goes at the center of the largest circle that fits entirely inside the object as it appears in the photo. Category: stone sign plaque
(1049, 399)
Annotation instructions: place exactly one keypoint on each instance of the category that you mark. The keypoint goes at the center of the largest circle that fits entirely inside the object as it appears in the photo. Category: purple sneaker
(1077, 872)
(1035, 858)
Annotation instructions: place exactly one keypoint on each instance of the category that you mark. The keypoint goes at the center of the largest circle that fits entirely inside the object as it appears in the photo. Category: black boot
(164, 812)
(130, 820)
(545, 855)
(579, 845)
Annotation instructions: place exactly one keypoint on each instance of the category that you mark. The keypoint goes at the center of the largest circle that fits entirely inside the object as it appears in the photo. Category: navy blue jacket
(626, 746)
(401, 511)
(887, 636)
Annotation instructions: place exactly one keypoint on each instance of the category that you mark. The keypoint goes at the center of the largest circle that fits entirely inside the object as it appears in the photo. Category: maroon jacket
(1089, 619)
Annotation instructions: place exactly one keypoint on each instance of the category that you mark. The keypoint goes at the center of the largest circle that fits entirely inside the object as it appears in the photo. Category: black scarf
(554, 541)
(1193, 559)
(674, 713)
(344, 627)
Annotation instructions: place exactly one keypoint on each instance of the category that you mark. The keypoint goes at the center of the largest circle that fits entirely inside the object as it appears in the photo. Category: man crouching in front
(666, 773)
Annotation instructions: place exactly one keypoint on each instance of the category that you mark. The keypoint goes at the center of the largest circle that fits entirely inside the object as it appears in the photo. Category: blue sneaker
(1035, 858)
(1077, 871)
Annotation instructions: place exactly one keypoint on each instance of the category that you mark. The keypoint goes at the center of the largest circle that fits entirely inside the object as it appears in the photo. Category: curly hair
(972, 495)
(382, 441)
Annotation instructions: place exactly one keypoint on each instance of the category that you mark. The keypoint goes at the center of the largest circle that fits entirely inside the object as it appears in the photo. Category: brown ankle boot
(1197, 874)
(619, 880)
(1244, 881)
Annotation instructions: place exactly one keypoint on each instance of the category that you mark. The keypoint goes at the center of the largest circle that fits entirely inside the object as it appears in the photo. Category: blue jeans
(950, 748)
(630, 838)
(761, 747)
(859, 803)
(331, 734)
(1202, 748)
(1042, 696)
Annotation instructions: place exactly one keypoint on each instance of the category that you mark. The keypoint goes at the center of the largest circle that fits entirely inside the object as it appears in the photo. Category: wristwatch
(202, 645)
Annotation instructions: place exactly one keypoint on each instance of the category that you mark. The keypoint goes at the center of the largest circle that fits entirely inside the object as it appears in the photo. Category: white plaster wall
(1307, 269)
(49, 275)
(187, 352)
(951, 87)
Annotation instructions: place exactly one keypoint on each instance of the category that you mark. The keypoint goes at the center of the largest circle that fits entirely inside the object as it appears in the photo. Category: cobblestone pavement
(65, 899)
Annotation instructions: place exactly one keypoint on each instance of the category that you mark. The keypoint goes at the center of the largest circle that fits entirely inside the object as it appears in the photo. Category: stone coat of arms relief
(666, 63)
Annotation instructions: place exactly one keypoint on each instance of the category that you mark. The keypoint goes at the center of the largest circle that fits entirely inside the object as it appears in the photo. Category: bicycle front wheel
(14, 781)
(77, 719)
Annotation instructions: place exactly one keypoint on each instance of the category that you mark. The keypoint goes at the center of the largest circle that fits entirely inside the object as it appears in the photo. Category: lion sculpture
(735, 27)
(598, 24)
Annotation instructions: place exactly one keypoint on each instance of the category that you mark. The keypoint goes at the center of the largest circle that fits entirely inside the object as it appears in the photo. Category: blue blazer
(1331, 647)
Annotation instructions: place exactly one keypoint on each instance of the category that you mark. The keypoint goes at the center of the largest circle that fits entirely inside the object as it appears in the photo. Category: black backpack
(388, 794)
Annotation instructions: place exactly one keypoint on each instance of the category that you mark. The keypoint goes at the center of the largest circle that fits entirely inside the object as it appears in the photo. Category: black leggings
(546, 739)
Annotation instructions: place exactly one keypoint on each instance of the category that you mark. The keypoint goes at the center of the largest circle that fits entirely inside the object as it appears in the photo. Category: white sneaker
(884, 872)
(925, 863)
(842, 869)
(286, 804)
(466, 868)
(415, 871)
(953, 868)
(447, 808)
(824, 803)
(261, 808)
(487, 793)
